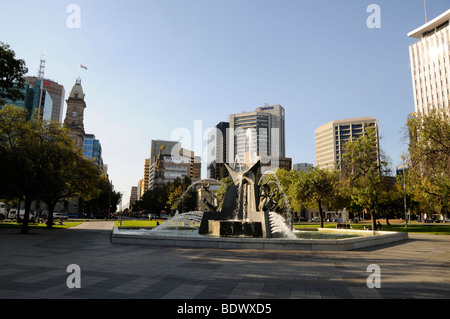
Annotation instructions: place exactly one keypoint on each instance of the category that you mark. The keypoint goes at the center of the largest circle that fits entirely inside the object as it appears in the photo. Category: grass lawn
(414, 227)
(41, 225)
(138, 223)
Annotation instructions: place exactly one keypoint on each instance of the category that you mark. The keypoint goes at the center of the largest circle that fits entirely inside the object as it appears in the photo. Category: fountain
(247, 221)
(245, 210)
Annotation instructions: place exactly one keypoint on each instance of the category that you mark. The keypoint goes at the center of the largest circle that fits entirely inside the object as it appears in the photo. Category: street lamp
(404, 191)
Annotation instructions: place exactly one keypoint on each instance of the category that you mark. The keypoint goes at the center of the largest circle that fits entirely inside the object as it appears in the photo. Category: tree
(429, 173)
(280, 182)
(22, 157)
(68, 175)
(39, 161)
(363, 171)
(155, 200)
(180, 196)
(12, 73)
(315, 188)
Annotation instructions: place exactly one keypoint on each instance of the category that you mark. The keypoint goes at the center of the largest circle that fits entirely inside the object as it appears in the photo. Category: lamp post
(404, 191)
(120, 213)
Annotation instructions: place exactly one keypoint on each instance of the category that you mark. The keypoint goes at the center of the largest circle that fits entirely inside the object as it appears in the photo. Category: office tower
(133, 196)
(141, 190)
(146, 180)
(217, 151)
(56, 92)
(430, 65)
(75, 113)
(259, 135)
(92, 149)
(331, 138)
(36, 98)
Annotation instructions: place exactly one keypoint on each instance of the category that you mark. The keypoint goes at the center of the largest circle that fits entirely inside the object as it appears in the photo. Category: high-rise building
(75, 113)
(133, 196)
(36, 97)
(92, 149)
(259, 135)
(331, 138)
(217, 151)
(55, 91)
(430, 65)
(146, 179)
(141, 190)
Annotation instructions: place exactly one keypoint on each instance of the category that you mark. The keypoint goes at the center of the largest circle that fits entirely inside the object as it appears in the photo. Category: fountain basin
(365, 239)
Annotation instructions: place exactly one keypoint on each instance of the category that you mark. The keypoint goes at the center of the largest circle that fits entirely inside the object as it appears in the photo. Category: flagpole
(425, 6)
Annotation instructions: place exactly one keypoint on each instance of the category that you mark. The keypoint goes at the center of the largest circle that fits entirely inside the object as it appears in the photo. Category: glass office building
(92, 149)
(36, 97)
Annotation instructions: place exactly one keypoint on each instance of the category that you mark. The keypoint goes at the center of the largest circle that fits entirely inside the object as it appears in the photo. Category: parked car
(446, 220)
(72, 215)
(3, 211)
(12, 214)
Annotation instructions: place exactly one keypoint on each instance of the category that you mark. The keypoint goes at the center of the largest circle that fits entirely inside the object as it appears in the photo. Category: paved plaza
(35, 266)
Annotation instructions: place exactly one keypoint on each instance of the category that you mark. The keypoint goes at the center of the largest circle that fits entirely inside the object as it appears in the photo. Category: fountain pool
(182, 231)
(247, 221)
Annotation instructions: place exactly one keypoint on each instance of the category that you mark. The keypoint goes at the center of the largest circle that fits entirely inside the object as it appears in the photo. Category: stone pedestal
(230, 228)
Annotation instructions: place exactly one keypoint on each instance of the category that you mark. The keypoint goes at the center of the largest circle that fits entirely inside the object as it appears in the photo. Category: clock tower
(74, 115)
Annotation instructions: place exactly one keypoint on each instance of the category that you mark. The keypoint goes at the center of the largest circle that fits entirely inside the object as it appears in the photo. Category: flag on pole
(82, 66)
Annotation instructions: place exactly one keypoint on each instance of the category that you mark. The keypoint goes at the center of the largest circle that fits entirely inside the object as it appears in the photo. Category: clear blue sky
(158, 65)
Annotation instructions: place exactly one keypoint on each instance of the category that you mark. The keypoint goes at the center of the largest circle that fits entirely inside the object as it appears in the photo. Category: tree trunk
(51, 208)
(321, 213)
(373, 218)
(26, 216)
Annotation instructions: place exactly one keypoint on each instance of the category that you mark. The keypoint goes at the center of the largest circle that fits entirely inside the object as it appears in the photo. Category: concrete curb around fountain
(381, 238)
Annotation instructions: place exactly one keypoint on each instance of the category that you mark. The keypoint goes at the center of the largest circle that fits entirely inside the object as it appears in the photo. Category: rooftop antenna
(41, 70)
(425, 6)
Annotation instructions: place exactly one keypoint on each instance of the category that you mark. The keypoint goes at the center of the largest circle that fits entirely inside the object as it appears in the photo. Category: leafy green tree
(39, 161)
(363, 171)
(315, 188)
(155, 200)
(104, 200)
(22, 158)
(280, 182)
(68, 175)
(428, 178)
(12, 73)
(180, 195)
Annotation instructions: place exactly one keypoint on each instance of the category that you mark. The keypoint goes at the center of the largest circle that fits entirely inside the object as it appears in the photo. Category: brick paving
(34, 266)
